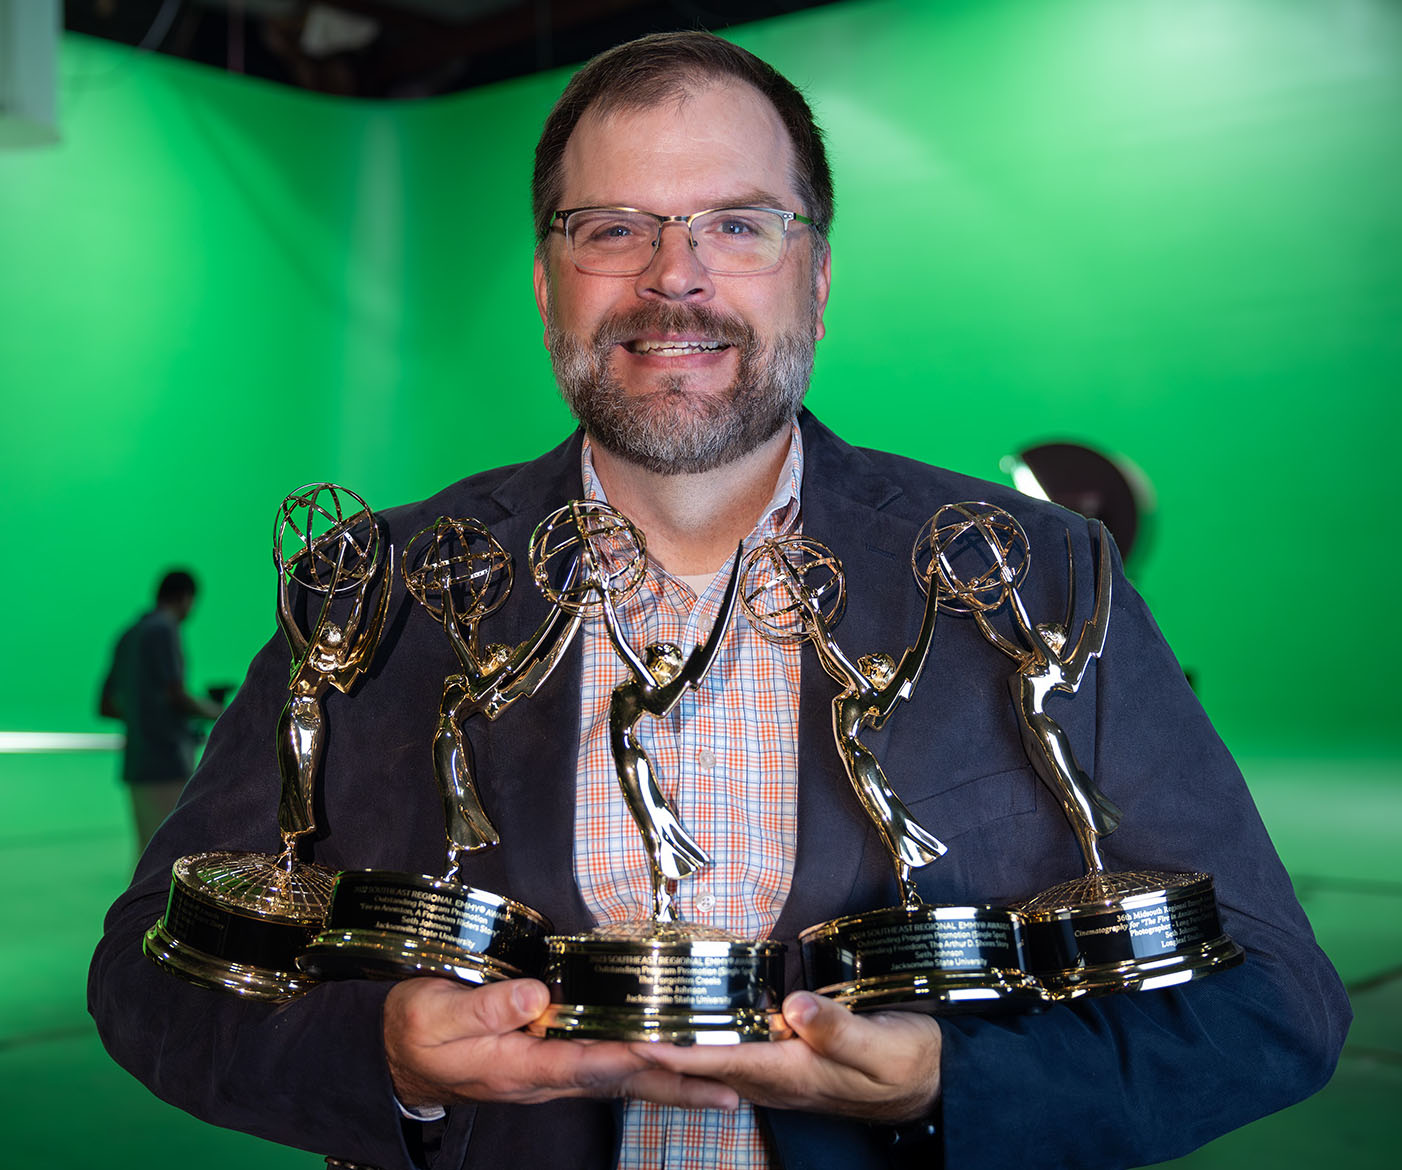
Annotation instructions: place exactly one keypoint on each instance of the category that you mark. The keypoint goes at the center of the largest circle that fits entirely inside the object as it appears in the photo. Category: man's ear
(541, 279)
(821, 285)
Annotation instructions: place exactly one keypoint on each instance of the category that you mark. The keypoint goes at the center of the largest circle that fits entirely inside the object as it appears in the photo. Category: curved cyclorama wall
(1168, 230)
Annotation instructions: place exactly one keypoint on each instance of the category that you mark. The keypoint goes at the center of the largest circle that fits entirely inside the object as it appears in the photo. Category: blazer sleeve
(1139, 1077)
(310, 1072)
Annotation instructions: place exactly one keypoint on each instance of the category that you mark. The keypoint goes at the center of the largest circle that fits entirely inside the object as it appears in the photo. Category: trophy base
(673, 983)
(943, 960)
(237, 922)
(385, 925)
(1140, 931)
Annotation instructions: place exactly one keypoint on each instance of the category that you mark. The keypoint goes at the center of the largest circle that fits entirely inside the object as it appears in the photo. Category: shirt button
(705, 759)
(706, 902)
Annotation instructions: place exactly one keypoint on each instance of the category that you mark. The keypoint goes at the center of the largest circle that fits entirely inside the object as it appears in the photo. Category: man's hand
(448, 1043)
(879, 1067)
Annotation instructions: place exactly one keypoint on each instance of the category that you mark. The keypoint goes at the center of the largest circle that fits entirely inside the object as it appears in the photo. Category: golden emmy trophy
(913, 956)
(392, 925)
(660, 978)
(237, 921)
(1106, 931)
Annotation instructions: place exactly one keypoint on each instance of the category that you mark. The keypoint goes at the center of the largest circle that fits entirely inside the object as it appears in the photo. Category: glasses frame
(561, 220)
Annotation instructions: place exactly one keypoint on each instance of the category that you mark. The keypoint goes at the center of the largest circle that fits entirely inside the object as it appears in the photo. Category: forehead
(713, 145)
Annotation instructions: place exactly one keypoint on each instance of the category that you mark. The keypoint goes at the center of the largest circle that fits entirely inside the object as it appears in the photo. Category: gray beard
(671, 431)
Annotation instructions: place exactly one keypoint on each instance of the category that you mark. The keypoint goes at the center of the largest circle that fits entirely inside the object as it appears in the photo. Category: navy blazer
(1114, 1082)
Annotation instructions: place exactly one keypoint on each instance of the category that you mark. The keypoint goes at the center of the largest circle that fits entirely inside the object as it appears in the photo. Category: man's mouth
(660, 347)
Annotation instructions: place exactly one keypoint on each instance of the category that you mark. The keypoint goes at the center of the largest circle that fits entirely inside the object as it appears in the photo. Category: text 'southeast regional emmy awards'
(1106, 931)
(660, 978)
(914, 956)
(237, 921)
(392, 925)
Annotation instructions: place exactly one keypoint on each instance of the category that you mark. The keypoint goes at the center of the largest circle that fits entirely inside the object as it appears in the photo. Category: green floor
(64, 855)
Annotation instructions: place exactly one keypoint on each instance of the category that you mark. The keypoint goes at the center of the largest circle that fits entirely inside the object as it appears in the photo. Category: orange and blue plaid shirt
(727, 758)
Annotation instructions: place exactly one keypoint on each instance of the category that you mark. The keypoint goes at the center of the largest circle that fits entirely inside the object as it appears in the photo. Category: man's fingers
(880, 1067)
(663, 1087)
(446, 1042)
(735, 1064)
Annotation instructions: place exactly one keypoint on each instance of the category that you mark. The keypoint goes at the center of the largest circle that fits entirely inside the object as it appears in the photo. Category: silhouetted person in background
(145, 689)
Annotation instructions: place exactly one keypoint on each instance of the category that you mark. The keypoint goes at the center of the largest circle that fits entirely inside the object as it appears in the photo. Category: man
(145, 689)
(683, 343)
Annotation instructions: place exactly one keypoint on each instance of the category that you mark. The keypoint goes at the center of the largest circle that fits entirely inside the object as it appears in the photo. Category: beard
(673, 430)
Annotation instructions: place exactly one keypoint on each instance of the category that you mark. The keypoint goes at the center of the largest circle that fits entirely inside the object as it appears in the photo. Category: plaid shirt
(727, 758)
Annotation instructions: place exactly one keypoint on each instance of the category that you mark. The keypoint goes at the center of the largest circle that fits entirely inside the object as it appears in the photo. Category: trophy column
(659, 979)
(1104, 932)
(392, 925)
(913, 956)
(237, 921)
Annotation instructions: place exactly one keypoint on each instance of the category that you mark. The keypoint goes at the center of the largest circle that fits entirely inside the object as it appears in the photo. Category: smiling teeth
(676, 348)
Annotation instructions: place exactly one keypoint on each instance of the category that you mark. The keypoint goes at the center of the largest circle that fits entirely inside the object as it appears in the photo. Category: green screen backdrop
(1169, 230)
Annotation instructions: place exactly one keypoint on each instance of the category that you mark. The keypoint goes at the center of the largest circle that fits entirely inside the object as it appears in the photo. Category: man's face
(676, 369)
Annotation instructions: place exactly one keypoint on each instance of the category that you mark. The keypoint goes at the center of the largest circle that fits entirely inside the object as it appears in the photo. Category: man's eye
(610, 231)
(735, 225)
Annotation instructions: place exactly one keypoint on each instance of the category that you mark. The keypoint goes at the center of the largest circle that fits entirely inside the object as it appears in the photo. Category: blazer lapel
(529, 753)
(840, 862)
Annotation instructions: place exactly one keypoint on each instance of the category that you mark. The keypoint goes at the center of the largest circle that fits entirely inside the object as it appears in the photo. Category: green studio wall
(1170, 230)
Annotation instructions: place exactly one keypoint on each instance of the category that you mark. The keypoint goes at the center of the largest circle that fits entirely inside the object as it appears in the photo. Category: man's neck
(693, 522)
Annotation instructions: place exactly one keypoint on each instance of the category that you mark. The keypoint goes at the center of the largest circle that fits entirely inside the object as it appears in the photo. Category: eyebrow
(751, 198)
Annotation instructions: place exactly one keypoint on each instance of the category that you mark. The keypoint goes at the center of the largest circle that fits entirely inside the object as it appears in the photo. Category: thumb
(821, 1023)
(501, 1007)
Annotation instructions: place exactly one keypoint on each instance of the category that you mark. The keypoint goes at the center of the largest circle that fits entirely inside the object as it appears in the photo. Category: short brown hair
(655, 68)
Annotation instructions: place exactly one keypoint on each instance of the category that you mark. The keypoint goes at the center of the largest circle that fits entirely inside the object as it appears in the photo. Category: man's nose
(675, 273)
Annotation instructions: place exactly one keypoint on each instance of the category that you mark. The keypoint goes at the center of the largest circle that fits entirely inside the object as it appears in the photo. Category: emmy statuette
(659, 979)
(914, 956)
(238, 921)
(392, 925)
(1107, 931)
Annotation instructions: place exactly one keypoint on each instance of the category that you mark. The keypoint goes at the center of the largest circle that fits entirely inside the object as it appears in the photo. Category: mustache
(675, 318)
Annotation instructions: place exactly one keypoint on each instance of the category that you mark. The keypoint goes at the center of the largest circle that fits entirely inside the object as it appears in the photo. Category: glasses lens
(609, 241)
(730, 240)
(739, 239)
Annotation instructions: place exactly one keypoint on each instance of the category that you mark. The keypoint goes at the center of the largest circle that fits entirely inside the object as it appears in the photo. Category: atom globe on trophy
(913, 956)
(660, 978)
(238, 921)
(1106, 931)
(391, 925)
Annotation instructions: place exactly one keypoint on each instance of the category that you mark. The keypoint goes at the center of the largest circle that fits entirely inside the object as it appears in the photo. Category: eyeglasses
(728, 241)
